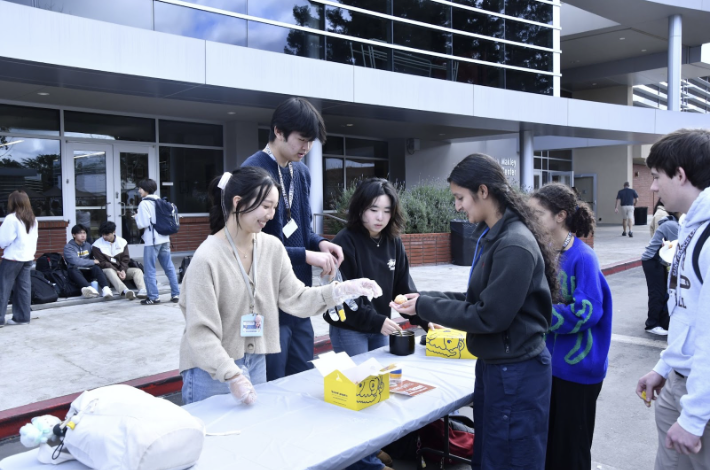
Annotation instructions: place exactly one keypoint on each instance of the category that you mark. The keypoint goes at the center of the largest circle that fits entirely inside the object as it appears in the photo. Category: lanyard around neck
(478, 251)
(251, 286)
(287, 199)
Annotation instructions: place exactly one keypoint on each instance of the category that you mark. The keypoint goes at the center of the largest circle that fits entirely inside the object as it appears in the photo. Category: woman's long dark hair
(252, 184)
(479, 169)
(366, 192)
(557, 197)
(19, 203)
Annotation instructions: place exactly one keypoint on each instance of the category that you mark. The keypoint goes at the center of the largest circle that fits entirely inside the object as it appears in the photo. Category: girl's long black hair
(480, 169)
(252, 184)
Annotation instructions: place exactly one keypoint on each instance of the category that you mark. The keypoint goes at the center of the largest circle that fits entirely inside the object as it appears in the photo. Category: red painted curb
(171, 382)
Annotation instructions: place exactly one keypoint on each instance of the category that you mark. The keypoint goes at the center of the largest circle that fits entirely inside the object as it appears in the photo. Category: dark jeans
(572, 418)
(15, 278)
(296, 339)
(511, 414)
(656, 278)
(82, 277)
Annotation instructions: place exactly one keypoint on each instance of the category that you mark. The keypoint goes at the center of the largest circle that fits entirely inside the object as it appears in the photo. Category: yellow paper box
(447, 343)
(350, 386)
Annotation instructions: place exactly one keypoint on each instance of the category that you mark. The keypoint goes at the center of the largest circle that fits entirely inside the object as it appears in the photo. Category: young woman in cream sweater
(237, 281)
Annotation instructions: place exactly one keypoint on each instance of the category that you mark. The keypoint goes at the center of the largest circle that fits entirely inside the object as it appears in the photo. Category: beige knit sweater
(214, 298)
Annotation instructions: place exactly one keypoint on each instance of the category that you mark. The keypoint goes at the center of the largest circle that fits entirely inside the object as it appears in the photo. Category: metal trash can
(462, 246)
(640, 216)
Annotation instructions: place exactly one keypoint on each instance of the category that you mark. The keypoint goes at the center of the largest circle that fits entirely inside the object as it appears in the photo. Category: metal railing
(314, 216)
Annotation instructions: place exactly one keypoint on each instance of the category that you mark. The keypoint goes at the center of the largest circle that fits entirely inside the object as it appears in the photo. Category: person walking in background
(680, 381)
(18, 239)
(656, 275)
(627, 198)
(659, 213)
(112, 252)
(156, 246)
(239, 281)
(506, 313)
(81, 268)
(580, 334)
(294, 127)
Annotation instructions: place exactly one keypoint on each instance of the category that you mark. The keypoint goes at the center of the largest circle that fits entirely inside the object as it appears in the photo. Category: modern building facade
(96, 95)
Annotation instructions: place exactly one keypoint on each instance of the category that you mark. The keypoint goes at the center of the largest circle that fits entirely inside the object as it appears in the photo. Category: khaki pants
(132, 274)
(667, 410)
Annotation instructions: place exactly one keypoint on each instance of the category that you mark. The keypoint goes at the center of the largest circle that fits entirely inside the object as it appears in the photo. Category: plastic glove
(356, 288)
(242, 390)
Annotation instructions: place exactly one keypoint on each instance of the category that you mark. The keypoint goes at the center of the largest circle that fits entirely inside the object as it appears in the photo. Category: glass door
(91, 176)
(564, 177)
(132, 163)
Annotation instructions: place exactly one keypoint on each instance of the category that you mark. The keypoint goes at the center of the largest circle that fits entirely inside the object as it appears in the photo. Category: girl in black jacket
(506, 312)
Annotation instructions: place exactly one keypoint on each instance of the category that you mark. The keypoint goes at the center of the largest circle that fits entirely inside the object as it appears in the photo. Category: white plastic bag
(121, 427)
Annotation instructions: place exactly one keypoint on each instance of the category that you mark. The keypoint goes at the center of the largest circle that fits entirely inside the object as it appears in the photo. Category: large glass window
(360, 169)
(202, 24)
(297, 12)
(110, 127)
(333, 180)
(185, 175)
(35, 166)
(530, 10)
(137, 13)
(26, 120)
(283, 40)
(190, 133)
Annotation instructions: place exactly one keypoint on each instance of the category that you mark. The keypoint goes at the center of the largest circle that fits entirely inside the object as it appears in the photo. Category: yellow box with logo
(351, 386)
(447, 343)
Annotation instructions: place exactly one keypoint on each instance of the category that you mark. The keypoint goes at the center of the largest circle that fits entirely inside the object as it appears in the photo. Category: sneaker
(142, 294)
(89, 292)
(630, 234)
(175, 299)
(624, 234)
(150, 302)
(385, 458)
(658, 330)
(130, 295)
(13, 322)
(106, 292)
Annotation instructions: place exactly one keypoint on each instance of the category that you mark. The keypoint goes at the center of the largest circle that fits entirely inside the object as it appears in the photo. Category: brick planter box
(588, 240)
(193, 231)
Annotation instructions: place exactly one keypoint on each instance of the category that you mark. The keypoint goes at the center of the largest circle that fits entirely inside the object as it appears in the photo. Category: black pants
(572, 418)
(82, 277)
(511, 412)
(656, 277)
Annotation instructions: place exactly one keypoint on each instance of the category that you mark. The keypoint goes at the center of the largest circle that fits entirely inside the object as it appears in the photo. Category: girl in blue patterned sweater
(580, 333)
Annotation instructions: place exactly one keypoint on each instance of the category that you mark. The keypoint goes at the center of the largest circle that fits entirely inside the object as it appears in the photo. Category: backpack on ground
(64, 287)
(183, 268)
(122, 427)
(41, 290)
(167, 218)
(461, 438)
(49, 262)
(135, 264)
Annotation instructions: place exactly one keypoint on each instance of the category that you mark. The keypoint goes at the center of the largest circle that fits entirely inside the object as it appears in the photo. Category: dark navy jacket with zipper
(507, 308)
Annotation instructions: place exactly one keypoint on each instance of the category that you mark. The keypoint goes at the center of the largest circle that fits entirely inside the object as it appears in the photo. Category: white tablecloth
(291, 426)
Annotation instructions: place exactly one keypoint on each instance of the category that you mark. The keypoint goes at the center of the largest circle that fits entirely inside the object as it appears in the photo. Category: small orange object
(400, 299)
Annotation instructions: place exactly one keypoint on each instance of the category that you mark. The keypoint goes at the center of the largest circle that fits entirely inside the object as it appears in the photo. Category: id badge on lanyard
(252, 324)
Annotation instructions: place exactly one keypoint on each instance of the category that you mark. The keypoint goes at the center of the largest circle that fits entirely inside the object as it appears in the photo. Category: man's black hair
(148, 185)
(300, 116)
(79, 228)
(626, 185)
(107, 227)
(688, 149)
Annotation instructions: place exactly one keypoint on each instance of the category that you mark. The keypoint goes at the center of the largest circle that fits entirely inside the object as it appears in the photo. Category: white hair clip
(223, 181)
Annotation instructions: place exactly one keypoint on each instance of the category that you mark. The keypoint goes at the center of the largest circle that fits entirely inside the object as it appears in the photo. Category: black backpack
(49, 262)
(62, 284)
(183, 268)
(41, 290)
(167, 218)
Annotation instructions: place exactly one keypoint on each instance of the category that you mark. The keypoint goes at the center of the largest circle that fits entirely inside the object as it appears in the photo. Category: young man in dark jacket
(295, 125)
(81, 268)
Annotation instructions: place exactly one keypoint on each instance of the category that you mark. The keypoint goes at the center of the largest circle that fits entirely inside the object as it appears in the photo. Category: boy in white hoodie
(680, 381)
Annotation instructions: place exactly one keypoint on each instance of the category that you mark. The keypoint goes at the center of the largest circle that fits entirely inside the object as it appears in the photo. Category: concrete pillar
(674, 61)
(315, 163)
(526, 160)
